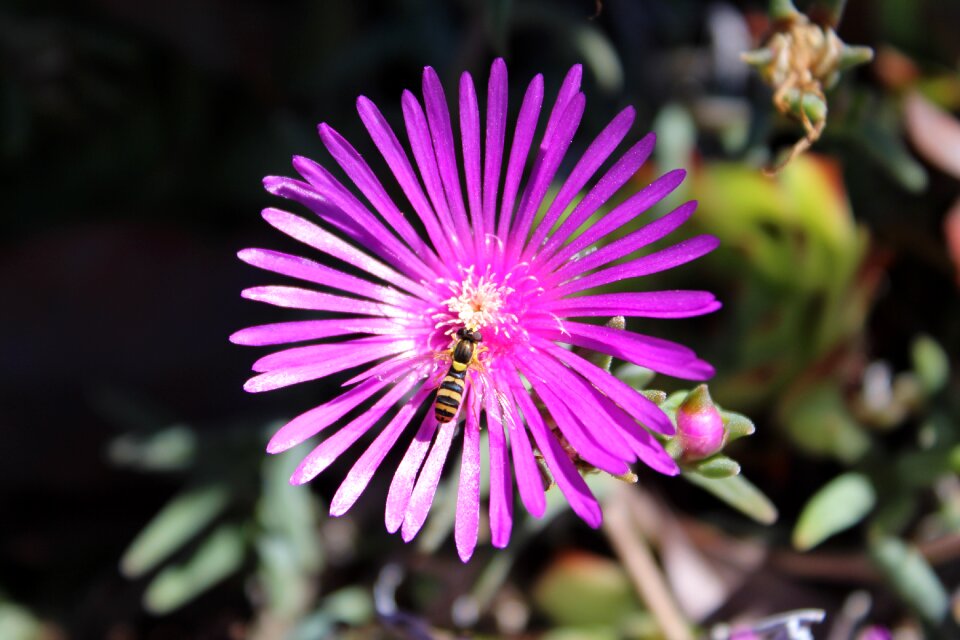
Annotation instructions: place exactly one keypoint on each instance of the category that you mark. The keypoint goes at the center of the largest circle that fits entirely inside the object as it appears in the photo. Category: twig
(644, 572)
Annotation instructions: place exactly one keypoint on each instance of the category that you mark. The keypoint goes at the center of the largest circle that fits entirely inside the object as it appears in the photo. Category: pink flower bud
(874, 632)
(699, 425)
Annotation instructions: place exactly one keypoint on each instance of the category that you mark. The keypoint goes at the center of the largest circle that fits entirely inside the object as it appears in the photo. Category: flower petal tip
(253, 385)
(298, 479)
(671, 469)
(408, 533)
(304, 473)
(272, 183)
(594, 519)
(700, 370)
(466, 552)
(500, 540)
(247, 255)
(279, 445)
(392, 524)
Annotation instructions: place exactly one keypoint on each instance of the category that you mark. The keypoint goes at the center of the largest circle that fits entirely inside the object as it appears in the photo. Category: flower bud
(699, 425)
(874, 632)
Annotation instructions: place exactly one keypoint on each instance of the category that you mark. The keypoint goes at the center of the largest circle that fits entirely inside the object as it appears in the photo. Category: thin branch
(647, 578)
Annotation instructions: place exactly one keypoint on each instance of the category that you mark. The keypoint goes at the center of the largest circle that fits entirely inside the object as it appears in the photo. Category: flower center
(478, 303)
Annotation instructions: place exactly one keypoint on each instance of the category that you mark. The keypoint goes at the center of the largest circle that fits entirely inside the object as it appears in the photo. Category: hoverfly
(450, 394)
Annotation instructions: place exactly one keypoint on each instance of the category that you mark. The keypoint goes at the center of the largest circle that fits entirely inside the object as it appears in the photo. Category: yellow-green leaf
(838, 505)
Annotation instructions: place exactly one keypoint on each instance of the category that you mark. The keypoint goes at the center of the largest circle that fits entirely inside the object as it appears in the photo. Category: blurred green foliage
(838, 337)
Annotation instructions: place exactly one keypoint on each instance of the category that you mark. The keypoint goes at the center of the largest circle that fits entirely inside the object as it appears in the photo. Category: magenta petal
(635, 205)
(312, 422)
(426, 486)
(617, 249)
(568, 424)
(331, 448)
(564, 472)
(392, 151)
(389, 368)
(561, 125)
(648, 304)
(333, 353)
(310, 271)
(365, 180)
(313, 236)
(467, 522)
(635, 404)
(341, 197)
(608, 185)
(308, 196)
(595, 155)
(421, 143)
(438, 117)
(470, 134)
(501, 494)
(569, 88)
(493, 141)
(640, 441)
(297, 298)
(668, 258)
(522, 137)
(543, 172)
(529, 480)
(662, 356)
(363, 469)
(401, 487)
(286, 376)
(602, 448)
(303, 330)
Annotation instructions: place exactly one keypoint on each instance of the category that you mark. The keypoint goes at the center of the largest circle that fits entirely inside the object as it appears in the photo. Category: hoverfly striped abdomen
(450, 393)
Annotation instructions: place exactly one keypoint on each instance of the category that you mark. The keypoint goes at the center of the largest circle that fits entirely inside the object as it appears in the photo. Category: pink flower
(474, 256)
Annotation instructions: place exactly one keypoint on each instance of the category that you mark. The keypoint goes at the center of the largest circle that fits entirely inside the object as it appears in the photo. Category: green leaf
(170, 449)
(291, 512)
(716, 466)
(351, 605)
(581, 589)
(286, 584)
(930, 363)
(220, 555)
(885, 146)
(737, 425)
(911, 577)
(826, 13)
(672, 403)
(739, 493)
(634, 375)
(921, 469)
(838, 505)
(180, 520)
(820, 423)
(955, 459)
(18, 623)
(782, 10)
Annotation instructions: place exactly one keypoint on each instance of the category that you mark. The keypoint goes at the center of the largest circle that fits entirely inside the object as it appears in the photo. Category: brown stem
(647, 578)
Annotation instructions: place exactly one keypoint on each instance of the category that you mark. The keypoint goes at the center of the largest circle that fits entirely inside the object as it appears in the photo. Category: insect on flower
(450, 394)
(405, 301)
